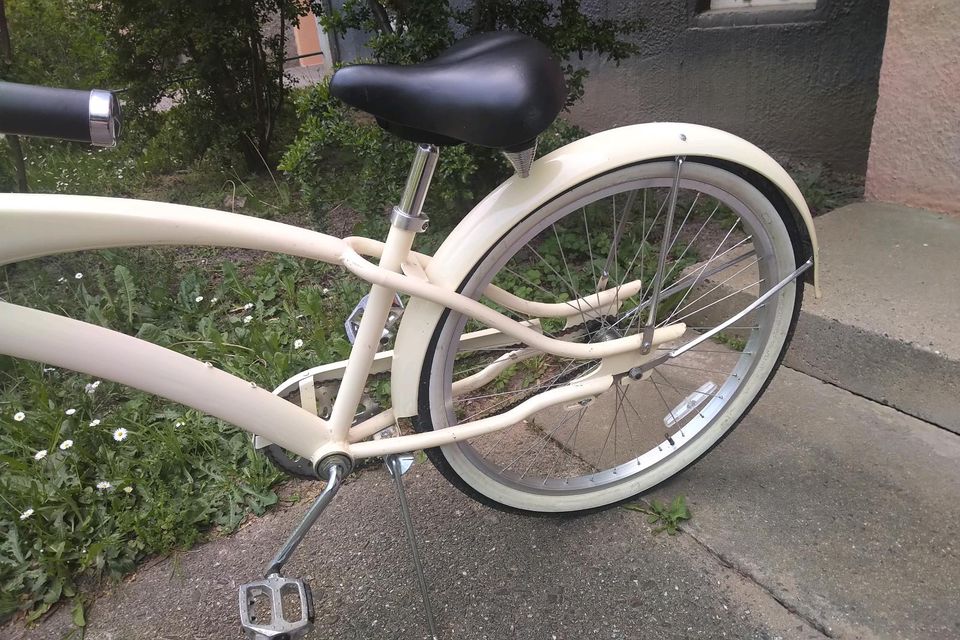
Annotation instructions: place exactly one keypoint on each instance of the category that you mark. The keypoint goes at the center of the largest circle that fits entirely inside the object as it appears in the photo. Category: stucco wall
(801, 84)
(915, 151)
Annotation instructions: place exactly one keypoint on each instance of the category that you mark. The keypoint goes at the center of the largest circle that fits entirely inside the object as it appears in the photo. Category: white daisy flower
(70, 412)
(103, 485)
(78, 276)
(325, 291)
(19, 416)
(198, 299)
(247, 319)
(214, 300)
(95, 422)
(66, 444)
(298, 344)
(40, 455)
(128, 489)
(91, 388)
(120, 434)
(177, 425)
(26, 514)
(61, 280)
(248, 306)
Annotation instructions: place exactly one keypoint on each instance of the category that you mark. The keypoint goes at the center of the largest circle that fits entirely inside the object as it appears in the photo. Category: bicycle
(537, 348)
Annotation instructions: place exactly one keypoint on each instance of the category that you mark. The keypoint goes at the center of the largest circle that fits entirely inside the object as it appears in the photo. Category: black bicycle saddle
(497, 90)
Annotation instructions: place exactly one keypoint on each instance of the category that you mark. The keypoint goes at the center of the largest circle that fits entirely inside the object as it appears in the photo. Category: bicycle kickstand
(278, 608)
(398, 465)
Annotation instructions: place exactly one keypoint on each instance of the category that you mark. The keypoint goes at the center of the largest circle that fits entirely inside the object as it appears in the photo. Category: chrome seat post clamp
(406, 222)
(408, 215)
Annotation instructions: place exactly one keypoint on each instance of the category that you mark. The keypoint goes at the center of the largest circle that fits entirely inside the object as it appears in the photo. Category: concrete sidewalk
(823, 515)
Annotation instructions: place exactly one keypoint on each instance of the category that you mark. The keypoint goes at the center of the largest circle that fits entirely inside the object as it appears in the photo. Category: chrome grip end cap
(104, 118)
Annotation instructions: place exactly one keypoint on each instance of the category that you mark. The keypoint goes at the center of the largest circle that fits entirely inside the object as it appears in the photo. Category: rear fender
(555, 174)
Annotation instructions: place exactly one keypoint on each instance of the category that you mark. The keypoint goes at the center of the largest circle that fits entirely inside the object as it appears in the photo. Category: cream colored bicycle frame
(38, 225)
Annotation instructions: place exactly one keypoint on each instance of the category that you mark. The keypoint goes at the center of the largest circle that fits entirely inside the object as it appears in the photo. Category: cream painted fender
(550, 176)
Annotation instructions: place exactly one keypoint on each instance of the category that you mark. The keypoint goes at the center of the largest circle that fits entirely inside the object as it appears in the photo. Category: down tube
(52, 339)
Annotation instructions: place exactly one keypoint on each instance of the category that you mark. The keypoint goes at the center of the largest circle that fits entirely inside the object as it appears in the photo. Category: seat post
(408, 215)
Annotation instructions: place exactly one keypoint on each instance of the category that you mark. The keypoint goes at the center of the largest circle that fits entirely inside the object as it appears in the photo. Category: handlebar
(68, 114)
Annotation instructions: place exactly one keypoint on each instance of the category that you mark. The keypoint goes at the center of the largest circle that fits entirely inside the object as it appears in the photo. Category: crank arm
(278, 608)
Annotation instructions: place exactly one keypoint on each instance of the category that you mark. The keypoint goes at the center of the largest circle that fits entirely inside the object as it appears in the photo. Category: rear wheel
(729, 245)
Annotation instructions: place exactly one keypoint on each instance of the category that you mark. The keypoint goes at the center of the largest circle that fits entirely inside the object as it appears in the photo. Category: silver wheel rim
(469, 459)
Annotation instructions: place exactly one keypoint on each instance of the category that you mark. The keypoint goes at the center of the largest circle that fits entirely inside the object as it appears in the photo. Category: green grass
(172, 472)
(735, 342)
(823, 188)
(667, 517)
(95, 476)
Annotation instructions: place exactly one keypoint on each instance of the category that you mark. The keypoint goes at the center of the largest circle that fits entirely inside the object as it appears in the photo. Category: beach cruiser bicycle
(595, 325)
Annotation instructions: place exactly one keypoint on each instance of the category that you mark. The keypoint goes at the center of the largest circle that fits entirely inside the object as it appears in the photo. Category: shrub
(339, 159)
(56, 43)
(40, 32)
(222, 60)
(409, 32)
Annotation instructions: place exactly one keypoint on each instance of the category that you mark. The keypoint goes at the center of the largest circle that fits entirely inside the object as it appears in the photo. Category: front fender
(549, 177)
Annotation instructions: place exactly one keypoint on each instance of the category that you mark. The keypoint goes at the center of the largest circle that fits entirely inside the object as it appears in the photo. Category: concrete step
(885, 327)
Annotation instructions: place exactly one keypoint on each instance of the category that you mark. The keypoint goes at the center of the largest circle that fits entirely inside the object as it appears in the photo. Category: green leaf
(669, 517)
(77, 613)
(37, 613)
(128, 290)
(152, 333)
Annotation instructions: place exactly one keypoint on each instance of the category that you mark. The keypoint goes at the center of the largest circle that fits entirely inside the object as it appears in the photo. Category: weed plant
(95, 476)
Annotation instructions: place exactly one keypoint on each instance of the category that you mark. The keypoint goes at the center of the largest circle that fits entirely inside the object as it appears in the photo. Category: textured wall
(915, 152)
(802, 85)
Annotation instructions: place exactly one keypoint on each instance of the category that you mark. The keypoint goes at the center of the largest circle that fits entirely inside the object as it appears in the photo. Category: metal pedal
(276, 608)
(352, 323)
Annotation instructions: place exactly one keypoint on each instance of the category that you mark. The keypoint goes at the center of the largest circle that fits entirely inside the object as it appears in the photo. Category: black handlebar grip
(68, 114)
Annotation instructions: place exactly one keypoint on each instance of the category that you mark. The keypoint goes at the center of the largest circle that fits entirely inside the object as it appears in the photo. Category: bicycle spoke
(572, 287)
(677, 310)
(544, 441)
(643, 241)
(549, 293)
(593, 267)
(665, 403)
(729, 295)
(707, 264)
(612, 424)
(679, 284)
(700, 369)
(692, 241)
